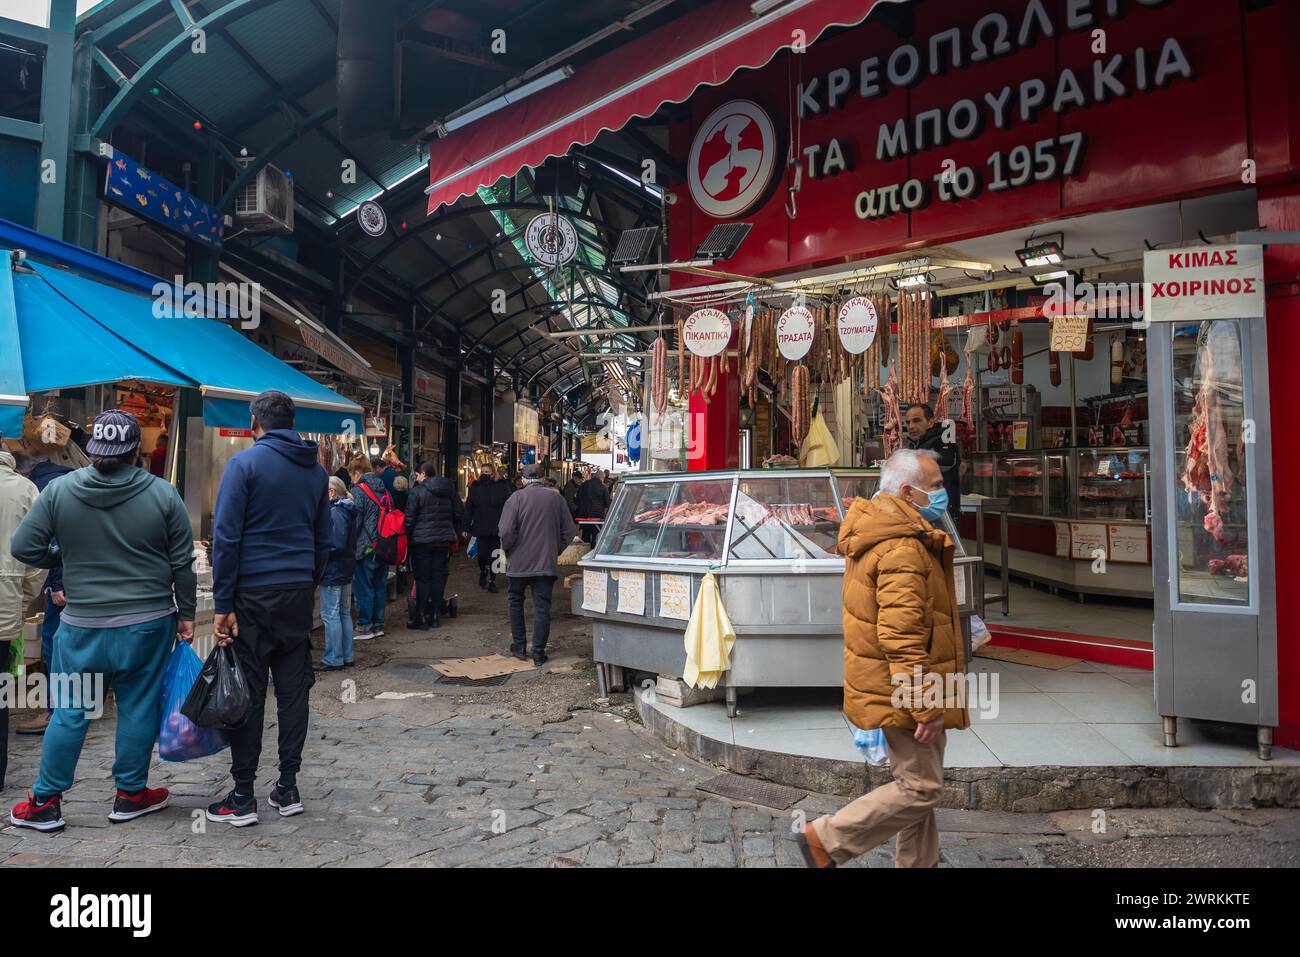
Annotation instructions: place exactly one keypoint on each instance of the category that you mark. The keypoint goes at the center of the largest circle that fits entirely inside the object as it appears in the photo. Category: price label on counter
(675, 596)
(959, 585)
(631, 592)
(1130, 543)
(1085, 540)
(1069, 334)
(1062, 539)
(595, 590)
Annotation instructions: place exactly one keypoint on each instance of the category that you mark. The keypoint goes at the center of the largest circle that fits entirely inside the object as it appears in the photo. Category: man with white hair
(902, 650)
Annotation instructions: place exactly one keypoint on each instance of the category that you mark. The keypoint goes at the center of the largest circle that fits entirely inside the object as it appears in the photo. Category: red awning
(703, 48)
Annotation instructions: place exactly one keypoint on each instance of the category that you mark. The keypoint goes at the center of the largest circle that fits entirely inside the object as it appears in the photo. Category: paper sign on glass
(675, 597)
(594, 590)
(631, 592)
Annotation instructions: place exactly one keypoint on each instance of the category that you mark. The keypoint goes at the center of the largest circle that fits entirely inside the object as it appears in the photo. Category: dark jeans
(429, 563)
(541, 585)
(274, 637)
(487, 545)
(4, 715)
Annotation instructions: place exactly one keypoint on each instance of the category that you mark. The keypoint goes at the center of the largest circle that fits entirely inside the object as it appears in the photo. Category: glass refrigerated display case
(1112, 483)
(1100, 483)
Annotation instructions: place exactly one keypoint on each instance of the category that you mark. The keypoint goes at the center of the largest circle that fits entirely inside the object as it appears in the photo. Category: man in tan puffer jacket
(903, 662)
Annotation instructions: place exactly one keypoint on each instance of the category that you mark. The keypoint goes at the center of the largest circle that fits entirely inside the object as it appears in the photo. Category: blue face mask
(937, 506)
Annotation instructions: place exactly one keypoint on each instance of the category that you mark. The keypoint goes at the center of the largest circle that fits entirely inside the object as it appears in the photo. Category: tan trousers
(904, 807)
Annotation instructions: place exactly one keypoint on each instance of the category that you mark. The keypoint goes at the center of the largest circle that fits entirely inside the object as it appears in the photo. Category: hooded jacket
(124, 541)
(42, 475)
(367, 511)
(900, 613)
(272, 524)
(343, 542)
(19, 583)
(483, 506)
(434, 515)
(593, 498)
(949, 464)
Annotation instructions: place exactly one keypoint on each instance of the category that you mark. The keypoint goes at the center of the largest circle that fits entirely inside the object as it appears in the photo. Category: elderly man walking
(535, 528)
(902, 655)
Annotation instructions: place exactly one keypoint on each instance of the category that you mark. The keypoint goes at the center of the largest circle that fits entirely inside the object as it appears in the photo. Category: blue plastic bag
(179, 738)
(871, 744)
(473, 548)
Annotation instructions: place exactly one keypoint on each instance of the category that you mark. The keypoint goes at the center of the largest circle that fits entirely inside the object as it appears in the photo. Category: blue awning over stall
(203, 353)
(13, 393)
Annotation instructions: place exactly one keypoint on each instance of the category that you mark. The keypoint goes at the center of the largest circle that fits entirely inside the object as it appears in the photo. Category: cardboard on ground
(483, 666)
(1021, 656)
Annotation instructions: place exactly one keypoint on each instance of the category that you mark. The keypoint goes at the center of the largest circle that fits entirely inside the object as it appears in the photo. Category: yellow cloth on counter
(819, 448)
(709, 637)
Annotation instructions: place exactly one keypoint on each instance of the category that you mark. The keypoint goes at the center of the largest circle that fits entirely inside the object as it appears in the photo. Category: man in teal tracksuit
(124, 539)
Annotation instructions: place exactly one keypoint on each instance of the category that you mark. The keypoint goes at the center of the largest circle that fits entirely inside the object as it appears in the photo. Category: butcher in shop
(923, 432)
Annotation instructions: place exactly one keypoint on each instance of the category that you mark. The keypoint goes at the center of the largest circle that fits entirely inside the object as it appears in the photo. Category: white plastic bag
(979, 633)
(871, 744)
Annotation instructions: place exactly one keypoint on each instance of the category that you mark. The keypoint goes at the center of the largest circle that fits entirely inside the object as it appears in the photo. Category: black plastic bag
(220, 697)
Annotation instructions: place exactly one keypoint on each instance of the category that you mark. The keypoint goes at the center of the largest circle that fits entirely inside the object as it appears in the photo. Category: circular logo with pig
(733, 159)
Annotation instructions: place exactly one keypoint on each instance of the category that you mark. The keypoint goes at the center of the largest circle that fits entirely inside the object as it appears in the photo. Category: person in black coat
(435, 518)
(593, 501)
(487, 497)
(923, 432)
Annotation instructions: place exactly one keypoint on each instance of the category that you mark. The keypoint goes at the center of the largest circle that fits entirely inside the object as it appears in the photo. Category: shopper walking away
(535, 527)
(593, 501)
(923, 432)
(903, 660)
(158, 457)
(41, 471)
(20, 584)
(401, 492)
(370, 582)
(270, 545)
(483, 505)
(435, 518)
(124, 539)
(571, 488)
(336, 582)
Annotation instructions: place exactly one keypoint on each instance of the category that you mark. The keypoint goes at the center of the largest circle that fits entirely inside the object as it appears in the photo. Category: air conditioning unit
(266, 204)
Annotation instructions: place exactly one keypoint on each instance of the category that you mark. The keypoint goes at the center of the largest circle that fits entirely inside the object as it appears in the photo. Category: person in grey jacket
(535, 527)
(124, 539)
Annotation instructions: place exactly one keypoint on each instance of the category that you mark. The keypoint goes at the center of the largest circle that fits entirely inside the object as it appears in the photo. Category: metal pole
(1074, 428)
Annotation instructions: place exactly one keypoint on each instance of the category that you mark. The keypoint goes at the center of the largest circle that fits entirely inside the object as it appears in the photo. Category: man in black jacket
(593, 501)
(434, 519)
(925, 433)
(487, 496)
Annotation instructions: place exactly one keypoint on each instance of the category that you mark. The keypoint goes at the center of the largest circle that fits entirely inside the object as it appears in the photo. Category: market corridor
(529, 771)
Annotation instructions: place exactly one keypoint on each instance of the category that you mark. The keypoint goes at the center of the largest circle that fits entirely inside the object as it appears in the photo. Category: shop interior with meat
(1051, 416)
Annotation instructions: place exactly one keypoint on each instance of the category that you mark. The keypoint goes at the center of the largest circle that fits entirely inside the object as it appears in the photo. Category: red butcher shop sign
(1204, 282)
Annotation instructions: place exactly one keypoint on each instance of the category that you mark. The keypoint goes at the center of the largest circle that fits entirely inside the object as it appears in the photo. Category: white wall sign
(1062, 539)
(732, 160)
(1003, 400)
(707, 331)
(1204, 282)
(551, 239)
(1129, 543)
(794, 332)
(857, 324)
(1069, 334)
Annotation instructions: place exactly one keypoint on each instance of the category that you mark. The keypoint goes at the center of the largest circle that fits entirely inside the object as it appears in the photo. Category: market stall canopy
(704, 48)
(182, 350)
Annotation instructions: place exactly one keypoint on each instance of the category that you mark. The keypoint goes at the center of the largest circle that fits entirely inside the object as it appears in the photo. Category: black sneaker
(324, 667)
(492, 587)
(285, 800)
(239, 811)
(44, 815)
(540, 659)
(518, 653)
(482, 579)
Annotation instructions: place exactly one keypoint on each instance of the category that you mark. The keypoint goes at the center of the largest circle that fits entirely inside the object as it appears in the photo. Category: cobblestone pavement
(528, 772)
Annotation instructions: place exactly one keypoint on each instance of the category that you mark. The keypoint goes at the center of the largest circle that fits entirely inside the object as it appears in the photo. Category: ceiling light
(1041, 278)
(911, 281)
(1040, 253)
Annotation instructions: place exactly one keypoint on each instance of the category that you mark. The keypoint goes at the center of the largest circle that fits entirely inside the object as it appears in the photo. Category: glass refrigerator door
(977, 474)
(1019, 478)
(1112, 483)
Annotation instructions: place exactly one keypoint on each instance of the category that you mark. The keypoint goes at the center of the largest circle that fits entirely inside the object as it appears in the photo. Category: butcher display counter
(1068, 507)
(770, 537)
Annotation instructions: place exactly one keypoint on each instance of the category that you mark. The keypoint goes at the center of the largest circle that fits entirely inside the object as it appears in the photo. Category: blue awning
(13, 394)
(204, 353)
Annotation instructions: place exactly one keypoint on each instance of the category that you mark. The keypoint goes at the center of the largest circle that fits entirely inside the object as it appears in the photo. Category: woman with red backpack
(370, 581)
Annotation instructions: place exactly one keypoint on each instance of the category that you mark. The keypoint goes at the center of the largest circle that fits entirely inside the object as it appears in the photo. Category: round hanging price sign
(794, 332)
(707, 332)
(857, 324)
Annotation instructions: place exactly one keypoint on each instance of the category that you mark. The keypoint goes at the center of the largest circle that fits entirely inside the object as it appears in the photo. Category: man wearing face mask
(903, 660)
(923, 432)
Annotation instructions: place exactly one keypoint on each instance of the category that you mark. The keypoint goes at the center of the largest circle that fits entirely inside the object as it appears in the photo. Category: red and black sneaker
(234, 809)
(44, 815)
(127, 807)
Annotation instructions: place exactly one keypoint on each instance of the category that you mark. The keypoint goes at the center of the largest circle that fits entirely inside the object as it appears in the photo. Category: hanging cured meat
(1054, 367)
(1116, 360)
(893, 420)
(659, 371)
(1206, 470)
(799, 404)
(968, 393)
